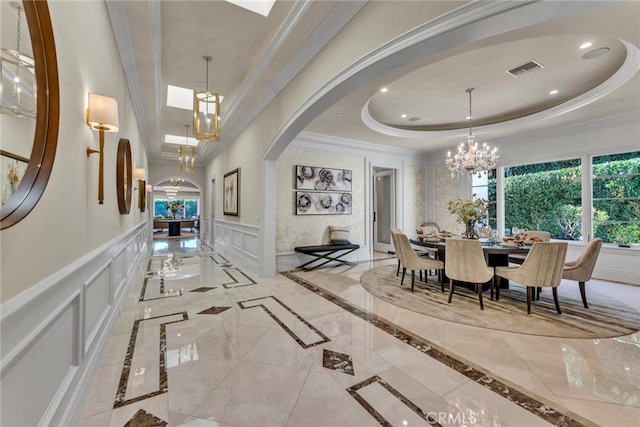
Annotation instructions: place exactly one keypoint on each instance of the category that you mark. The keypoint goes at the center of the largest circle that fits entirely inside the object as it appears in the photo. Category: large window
(548, 196)
(545, 196)
(616, 198)
(485, 187)
(190, 211)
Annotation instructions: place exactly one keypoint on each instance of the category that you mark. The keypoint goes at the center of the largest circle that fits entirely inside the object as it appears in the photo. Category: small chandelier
(187, 159)
(206, 112)
(475, 160)
(18, 74)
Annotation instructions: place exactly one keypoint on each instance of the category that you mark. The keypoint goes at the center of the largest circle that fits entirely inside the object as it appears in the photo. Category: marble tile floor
(200, 342)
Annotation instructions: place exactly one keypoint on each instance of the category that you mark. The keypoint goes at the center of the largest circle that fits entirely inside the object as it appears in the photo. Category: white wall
(67, 265)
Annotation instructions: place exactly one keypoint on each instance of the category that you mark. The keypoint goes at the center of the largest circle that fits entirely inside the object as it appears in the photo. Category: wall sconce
(101, 115)
(141, 176)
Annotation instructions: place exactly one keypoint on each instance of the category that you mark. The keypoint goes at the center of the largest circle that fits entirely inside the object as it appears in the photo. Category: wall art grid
(327, 191)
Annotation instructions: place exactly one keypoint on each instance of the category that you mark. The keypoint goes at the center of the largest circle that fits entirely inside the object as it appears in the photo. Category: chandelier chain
(18, 29)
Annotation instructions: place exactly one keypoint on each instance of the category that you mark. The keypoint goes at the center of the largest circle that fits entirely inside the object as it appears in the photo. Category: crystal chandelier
(18, 75)
(475, 160)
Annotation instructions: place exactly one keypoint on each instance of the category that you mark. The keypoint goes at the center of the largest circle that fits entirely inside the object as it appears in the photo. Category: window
(545, 196)
(485, 187)
(616, 197)
(190, 211)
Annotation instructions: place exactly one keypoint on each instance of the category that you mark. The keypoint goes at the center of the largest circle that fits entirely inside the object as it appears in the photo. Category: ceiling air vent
(525, 68)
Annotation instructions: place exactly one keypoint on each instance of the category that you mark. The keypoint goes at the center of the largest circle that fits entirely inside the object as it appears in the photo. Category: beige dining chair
(542, 268)
(545, 236)
(465, 263)
(394, 231)
(410, 260)
(581, 269)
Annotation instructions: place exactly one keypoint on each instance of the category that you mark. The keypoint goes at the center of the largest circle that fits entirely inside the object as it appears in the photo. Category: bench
(324, 252)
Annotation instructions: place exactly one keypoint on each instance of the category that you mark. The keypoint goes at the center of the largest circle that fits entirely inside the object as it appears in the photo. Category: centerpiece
(469, 212)
(174, 206)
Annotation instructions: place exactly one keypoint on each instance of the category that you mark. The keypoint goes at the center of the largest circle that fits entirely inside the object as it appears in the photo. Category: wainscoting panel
(239, 241)
(47, 365)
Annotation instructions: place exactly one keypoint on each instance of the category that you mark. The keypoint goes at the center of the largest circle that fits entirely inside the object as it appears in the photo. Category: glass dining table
(496, 254)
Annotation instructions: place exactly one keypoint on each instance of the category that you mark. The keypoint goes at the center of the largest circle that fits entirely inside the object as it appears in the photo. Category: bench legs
(320, 255)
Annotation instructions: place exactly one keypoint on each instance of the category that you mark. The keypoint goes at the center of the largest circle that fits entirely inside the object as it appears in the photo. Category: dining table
(496, 253)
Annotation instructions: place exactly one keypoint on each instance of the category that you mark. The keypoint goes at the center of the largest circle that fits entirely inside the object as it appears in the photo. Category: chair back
(543, 265)
(394, 236)
(582, 268)
(545, 236)
(465, 261)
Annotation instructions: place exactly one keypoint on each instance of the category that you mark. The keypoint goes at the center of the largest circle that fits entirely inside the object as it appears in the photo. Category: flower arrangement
(174, 206)
(469, 212)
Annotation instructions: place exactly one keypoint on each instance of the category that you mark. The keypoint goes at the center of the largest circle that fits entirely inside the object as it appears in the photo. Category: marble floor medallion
(144, 419)
(338, 362)
(214, 310)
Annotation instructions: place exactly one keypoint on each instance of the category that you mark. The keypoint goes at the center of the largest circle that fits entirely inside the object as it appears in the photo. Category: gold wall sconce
(101, 115)
(141, 177)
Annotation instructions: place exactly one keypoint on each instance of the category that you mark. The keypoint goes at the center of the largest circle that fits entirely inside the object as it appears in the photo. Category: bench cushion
(324, 248)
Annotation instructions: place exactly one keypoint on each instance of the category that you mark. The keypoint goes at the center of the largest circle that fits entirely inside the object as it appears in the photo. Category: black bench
(321, 252)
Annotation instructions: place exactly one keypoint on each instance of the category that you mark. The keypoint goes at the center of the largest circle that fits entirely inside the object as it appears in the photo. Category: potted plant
(469, 212)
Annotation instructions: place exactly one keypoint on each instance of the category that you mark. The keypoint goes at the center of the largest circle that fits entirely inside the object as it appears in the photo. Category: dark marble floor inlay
(235, 283)
(353, 391)
(217, 257)
(203, 289)
(245, 305)
(172, 293)
(214, 310)
(163, 382)
(144, 419)
(337, 362)
(547, 411)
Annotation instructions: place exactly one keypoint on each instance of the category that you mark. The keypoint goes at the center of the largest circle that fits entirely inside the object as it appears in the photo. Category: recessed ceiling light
(404, 116)
(586, 45)
(468, 118)
(414, 119)
(338, 114)
(384, 90)
(553, 92)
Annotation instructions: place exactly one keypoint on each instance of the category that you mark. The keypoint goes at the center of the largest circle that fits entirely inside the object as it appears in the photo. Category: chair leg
(498, 288)
(529, 292)
(413, 279)
(421, 275)
(451, 286)
(398, 270)
(404, 270)
(583, 294)
(538, 290)
(479, 288)
(491, 287)
(441, 284)
(555, 299)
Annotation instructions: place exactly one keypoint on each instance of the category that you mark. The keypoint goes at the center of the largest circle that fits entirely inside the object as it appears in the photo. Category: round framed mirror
(27, 177)
(124, 176)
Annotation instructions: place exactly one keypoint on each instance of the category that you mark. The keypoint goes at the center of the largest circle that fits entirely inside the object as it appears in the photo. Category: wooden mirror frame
(45, 139)
(124, 176)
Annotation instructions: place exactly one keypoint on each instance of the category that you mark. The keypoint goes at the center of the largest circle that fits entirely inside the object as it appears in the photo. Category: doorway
(384, 208)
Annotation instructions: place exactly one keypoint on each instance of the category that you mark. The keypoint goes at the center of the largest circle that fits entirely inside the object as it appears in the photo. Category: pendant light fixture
(18, 87)
(187, 159)
(206, 111)
(475, 160)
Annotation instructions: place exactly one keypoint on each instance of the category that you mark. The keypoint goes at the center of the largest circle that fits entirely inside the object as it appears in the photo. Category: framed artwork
(323, 203)
(322, 179)
(231, 202)
(12, 169)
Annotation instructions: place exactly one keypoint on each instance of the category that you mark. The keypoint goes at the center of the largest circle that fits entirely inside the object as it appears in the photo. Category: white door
(383, 209)
(212, 213)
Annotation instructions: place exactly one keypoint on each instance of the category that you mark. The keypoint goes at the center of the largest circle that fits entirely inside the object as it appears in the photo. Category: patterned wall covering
(444, 189)
(414, 197)
(300, 230)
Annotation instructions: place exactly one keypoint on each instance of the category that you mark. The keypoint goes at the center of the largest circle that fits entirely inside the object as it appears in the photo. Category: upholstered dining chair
(465, 263)
(545, 236)
(581, 269)
(542, 268)
(409, 259)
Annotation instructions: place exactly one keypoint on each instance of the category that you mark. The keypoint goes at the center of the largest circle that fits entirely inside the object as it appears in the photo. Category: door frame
(212, 212)
(392, 173)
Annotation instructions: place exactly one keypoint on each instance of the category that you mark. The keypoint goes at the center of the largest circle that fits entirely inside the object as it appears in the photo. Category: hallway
(272, 352)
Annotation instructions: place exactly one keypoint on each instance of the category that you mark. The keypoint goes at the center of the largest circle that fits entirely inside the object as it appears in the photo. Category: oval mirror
(30, 109)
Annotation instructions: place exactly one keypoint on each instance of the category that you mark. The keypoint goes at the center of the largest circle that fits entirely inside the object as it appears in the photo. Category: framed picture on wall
(231, 202)
(322, 179)
(322, 203)
(12, 169)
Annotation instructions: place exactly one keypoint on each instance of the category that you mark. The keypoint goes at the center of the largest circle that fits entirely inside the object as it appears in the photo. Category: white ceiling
(162, 43)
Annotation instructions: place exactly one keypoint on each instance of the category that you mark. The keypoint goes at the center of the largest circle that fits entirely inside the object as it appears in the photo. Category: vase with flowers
(174, 206)
(469, 212)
